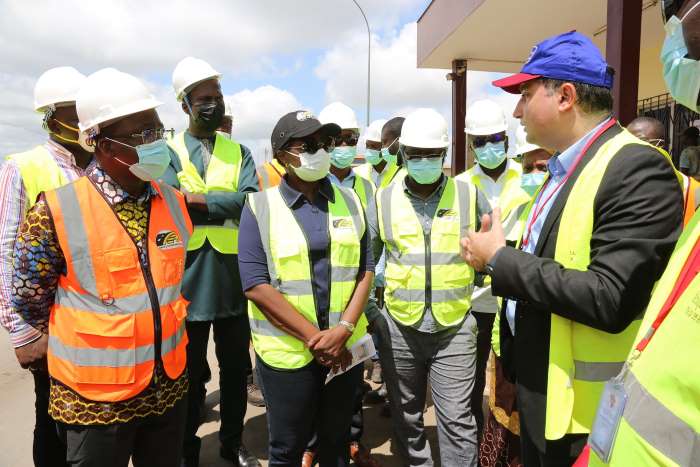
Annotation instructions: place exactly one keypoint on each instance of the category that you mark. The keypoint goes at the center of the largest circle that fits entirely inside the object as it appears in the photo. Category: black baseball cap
(299, 124)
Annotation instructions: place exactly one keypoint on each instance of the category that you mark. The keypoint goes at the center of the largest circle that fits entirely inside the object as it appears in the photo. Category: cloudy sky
(275, 55)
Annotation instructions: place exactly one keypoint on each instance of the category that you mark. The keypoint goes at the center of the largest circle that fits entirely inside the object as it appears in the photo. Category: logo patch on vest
(344, 223)
(446, 213)
(167, 239)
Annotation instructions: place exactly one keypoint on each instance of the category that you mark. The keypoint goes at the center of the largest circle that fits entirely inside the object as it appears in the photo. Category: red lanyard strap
(687, 274)
(540, 205)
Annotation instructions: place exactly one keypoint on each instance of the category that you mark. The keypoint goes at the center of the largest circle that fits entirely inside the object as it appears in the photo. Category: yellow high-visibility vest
(423, 269)
(39, 172)
(221, 175)
(289, 267)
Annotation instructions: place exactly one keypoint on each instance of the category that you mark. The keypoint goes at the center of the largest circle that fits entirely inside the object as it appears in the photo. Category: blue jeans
(298, 402)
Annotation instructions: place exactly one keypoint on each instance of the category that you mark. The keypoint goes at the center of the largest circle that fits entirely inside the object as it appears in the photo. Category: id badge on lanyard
(608, 417)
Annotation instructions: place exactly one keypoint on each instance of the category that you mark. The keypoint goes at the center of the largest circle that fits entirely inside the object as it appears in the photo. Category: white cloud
(255, 113)
(396, 82)
(238, 36)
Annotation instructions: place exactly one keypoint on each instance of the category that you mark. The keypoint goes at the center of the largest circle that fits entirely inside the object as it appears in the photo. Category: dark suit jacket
(638, 214)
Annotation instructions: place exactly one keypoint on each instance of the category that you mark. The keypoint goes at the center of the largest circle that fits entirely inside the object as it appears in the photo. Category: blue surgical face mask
(373, 156)
(491, 155)
(425, 170)
(387, 156)
(154, 158)
(681, 74)
(531, 182)
(342, 156)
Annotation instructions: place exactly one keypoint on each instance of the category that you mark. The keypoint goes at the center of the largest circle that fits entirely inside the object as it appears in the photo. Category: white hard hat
(57, 86)
(109, 94)
(485, 117)
(424, 128)
(340, 114)
(374, 131)
(521, 144)
(189, 72)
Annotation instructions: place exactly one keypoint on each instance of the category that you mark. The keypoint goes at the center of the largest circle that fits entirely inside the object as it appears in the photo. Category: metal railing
(675, 117)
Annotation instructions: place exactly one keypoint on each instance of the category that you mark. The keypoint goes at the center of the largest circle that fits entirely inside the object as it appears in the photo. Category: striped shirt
(13, 208)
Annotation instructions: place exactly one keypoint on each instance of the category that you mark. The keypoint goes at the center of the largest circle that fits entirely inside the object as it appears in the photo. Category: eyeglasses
(312, 145)
(146, 136)
(349, 140)
(658, 142)
(408, 154)
(481, 141)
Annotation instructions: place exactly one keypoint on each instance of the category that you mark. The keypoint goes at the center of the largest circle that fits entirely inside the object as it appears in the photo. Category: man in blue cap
(597, 236)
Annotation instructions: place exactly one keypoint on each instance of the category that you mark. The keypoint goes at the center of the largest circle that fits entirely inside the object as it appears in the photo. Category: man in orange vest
(98, 266)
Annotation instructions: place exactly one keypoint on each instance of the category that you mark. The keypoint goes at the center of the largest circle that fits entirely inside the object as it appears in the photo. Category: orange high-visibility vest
(691, 195)
(270, 174)
(114, 317)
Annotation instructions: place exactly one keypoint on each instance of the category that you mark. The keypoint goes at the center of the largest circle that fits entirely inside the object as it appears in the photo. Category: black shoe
(240, 457)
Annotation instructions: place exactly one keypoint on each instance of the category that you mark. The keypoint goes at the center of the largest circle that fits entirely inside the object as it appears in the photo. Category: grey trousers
(412, 359)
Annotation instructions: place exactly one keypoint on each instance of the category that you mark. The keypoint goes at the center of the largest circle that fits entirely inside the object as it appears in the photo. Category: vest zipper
(311, 266)
(147, 277)
(428, 271)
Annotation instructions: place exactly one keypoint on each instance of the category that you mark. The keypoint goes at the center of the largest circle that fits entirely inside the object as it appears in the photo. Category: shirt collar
(478, 171)
(335, 180)
(437, 192)
(292, 197)
(114, 193)
(560, 163)
(60, 152)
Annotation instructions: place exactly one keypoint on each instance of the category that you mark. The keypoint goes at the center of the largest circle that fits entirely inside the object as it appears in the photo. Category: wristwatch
(347, 325)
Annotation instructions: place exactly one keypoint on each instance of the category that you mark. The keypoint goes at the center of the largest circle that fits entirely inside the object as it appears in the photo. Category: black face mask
(208, 117)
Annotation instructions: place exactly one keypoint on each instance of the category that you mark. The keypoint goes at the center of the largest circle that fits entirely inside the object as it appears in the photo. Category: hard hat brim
(121, 112)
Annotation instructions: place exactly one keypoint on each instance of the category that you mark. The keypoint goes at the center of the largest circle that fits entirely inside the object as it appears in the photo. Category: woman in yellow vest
(307, 268)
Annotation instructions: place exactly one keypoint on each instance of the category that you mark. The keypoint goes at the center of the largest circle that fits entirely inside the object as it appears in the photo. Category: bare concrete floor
(17, 421)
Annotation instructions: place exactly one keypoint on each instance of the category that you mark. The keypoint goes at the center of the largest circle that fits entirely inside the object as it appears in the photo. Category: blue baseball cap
(570, 57)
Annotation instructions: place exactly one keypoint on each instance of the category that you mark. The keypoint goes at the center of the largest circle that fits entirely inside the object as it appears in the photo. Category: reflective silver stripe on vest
(261, 210)
(265, 328)
(113, 358)
(660, 427)
(78, 245)
(116, 306)
(334, 318)
(418, 259)
(264, 177)
(596, 371)
(513, 218)
(296, 288)
(344, 273)
(439, 296)
(386, 215)
(357, 216)
(175, 211)
(462, 189)
(368, 187)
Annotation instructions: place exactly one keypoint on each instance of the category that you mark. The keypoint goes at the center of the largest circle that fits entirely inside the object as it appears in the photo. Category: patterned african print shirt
(38, 263)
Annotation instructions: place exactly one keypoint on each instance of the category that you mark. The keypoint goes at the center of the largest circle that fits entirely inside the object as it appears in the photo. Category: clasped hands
(328, 347)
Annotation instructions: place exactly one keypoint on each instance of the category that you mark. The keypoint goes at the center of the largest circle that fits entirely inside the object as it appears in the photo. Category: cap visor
(512, 83)
(329, 129)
